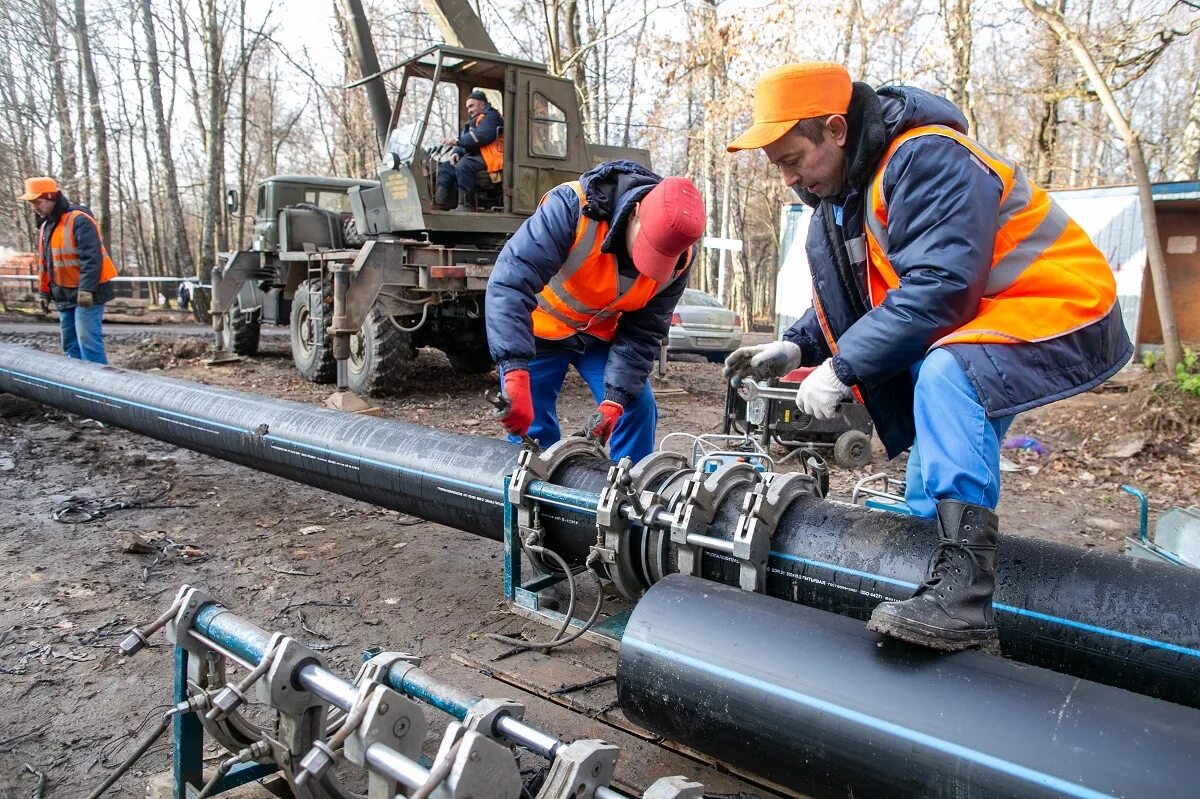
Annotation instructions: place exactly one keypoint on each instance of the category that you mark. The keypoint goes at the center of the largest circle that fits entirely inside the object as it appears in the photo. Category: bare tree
(179, 257)
(62, 105)
(1074, 41)
(99, 131)
(958, 23)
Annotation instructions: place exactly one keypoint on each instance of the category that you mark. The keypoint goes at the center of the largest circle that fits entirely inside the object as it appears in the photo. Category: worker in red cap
(590, 281)
(76, 272)
(949, 293)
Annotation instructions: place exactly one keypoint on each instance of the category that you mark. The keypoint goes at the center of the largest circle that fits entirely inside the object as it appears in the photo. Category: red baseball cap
(672, 219)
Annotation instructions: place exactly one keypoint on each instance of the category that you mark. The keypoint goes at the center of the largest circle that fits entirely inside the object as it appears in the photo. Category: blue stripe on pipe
(884, 726)
(498, 491)
(1033, 614)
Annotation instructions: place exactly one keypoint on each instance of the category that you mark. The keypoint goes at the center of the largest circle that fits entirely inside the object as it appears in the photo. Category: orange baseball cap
(36, 187)
(785, 95)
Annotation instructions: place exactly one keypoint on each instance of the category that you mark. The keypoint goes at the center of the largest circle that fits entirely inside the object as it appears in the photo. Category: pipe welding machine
(377, 722)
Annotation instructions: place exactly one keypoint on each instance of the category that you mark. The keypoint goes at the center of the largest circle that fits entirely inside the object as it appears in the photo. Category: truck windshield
(336, 200)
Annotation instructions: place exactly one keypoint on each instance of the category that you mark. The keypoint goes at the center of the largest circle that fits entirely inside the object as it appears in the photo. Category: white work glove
(821, 392)
(762, 361)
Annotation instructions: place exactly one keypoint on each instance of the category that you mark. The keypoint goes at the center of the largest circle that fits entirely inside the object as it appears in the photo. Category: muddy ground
(347, 576)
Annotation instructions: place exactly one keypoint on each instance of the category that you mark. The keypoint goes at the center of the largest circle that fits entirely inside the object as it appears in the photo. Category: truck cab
(544, 145)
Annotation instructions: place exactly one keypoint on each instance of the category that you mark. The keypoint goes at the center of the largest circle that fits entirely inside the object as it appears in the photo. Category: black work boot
(952, 609)
(441, 198)
(465, 201)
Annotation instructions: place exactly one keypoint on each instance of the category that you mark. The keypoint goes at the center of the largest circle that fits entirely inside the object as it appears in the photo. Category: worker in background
(76, 272)
(590, 281)
(949, 294)
(479, 147)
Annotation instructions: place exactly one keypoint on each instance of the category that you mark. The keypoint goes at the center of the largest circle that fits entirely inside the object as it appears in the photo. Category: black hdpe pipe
(1130, 623)
(811, 701)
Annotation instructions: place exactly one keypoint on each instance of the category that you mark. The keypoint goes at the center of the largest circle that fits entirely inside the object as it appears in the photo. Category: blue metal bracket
(187, 740)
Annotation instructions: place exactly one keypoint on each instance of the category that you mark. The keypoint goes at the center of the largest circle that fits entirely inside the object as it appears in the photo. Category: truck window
(336, 200)
(444, 113)
(262, 203)
(547, 128)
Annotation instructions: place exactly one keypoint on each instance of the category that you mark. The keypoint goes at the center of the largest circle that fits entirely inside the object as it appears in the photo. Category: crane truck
(366, 270)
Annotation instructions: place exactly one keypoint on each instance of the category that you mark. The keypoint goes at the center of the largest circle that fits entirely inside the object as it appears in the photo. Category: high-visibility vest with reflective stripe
(493, 151)
(1047, 278)
(588, 295)
(64, 255)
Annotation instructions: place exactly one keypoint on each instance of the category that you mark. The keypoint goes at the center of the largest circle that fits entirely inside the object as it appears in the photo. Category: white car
(702, 325)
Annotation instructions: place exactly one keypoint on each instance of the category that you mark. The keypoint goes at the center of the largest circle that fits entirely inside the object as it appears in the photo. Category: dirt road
(267, 547)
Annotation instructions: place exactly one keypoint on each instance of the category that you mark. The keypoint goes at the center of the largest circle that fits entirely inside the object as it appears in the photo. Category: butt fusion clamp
(762, 508)
(579, 769)
(179, 628)
(628, 497)
(695, 508)
(674, 788)
(612, 547)
(484, 714)
(541, 465)
(302, 715)
(481, 767)
(368, 721)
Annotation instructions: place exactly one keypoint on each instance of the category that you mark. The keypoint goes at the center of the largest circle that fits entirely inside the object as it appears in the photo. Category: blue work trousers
(460, 175)
(634, 433)
(957, 451)
(81, 334)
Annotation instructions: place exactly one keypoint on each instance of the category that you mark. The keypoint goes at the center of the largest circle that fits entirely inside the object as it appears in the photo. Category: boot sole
(934, 638)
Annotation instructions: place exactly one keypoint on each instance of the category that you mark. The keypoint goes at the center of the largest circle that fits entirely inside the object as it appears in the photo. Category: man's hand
(84, 299)
(763, 361)
(602, 421)
(454, 159)
(520, 402)
(44, 302)
(821, 393)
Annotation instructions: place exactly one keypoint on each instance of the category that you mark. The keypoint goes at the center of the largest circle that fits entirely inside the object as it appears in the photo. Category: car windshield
(694, 297)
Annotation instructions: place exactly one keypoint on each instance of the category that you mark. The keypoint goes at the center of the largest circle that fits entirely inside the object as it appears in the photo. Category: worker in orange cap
(76, 271)
(949, 293)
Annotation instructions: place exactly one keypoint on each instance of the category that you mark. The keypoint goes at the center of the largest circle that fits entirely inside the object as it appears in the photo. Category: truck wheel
(241, 331)
(312, 350)
(852, 449)
(351, 238)
(471, 362)
(380, 356)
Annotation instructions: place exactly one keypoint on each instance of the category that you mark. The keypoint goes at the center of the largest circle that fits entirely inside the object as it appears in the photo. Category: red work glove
(602, 421)
(520, 402)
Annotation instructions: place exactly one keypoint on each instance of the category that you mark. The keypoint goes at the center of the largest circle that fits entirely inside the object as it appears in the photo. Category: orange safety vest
(1047, 278)
(64, 255)
(586, 295)
(493, 151)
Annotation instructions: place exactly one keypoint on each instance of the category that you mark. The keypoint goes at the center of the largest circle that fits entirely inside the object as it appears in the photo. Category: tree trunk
(103, 178)
(1172, 350)
(215, 141)
(957, 21)
(68, 173)
(1187, 165)
(179, 256)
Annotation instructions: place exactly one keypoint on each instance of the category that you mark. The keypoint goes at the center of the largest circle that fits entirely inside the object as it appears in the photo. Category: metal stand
(522, 596)
(187, 743)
